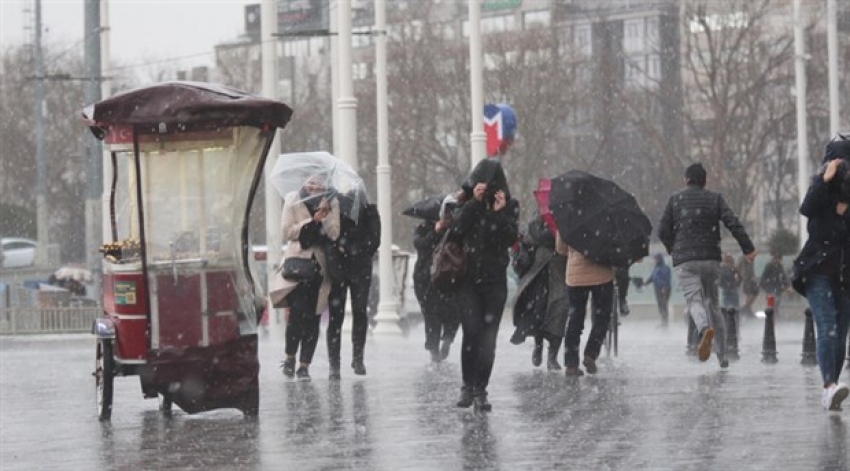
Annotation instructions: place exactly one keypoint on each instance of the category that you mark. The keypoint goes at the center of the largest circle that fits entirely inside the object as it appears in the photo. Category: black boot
(288, 367)
(552, 362)
(479, 400)
(537, 354)
(465, 399)
(359, 367)
(445, 349)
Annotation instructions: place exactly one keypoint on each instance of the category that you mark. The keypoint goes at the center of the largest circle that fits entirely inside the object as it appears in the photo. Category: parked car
(17, 252)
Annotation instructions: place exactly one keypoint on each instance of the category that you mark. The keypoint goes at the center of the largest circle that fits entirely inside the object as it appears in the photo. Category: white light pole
(802, 136)
(346, 103)
(334, 61)
(477, 137)
(268, 30)
(387, 317)
(832, 51)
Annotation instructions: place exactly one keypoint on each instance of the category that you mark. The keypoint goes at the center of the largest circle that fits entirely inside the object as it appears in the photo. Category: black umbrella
(599, 219)
(427, 208)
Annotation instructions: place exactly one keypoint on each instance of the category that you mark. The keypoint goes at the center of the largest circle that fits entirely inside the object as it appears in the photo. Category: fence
(47, 320)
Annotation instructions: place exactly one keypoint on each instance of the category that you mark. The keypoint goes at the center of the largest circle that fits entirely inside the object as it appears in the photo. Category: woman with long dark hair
(486, 225)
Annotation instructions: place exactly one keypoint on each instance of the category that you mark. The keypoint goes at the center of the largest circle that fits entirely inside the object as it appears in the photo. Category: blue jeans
(831, 313)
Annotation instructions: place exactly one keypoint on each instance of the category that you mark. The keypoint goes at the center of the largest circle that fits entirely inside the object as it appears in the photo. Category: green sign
(124, 293)
(490, 5)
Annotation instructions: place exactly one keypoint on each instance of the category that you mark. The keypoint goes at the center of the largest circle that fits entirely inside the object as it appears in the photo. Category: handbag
(301, 269)
(448, 265)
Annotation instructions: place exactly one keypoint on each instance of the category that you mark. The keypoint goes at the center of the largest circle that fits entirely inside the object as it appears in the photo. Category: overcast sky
(142, 30)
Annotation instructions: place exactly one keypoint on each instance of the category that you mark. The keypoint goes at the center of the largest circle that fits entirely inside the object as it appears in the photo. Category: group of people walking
(557, 281)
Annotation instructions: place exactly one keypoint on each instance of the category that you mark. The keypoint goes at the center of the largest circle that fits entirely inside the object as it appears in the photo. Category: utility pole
(346, 102)
(268, 38)
(802, 135)
(40, 154)
(832, 51)
(477, 136)
(387, 316)
(94, 149)
(105, 92)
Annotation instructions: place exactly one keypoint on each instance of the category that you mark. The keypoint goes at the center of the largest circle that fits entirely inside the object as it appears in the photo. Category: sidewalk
(649, 408)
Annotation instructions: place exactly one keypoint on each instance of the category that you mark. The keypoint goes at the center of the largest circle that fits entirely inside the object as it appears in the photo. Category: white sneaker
(834, 395)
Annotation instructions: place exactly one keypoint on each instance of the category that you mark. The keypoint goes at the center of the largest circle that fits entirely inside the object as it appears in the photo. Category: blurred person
(540, 307)
(822, 269)
(308, 221)
(774, 281)
(486, 225)
(749, 286)
(690, 231)
(621, 282)
(439, 310)
(729, 282)
(352, 255)
(660, 279)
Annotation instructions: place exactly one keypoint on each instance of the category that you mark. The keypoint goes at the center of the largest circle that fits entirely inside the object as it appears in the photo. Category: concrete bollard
(768, 344)
(809, 346)
(691, 349)
(732, 352)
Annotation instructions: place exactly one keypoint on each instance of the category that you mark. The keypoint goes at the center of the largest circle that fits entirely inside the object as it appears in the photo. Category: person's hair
(695, 175)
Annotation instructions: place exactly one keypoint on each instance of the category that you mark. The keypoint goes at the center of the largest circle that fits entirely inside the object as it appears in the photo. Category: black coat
(690, 226)
(829, 237)
(541, 303)
(432, 301)
(357, 244)
(486, 236)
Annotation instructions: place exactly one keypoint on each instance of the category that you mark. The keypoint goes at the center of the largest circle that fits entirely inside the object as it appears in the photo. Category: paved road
(649, 408)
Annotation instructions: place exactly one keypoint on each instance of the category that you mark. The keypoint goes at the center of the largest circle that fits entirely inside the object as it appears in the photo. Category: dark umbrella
(426, 208)
(599, 219)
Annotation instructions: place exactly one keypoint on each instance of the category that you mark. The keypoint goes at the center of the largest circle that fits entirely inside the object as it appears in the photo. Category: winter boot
(537, 354)
(552, 362)
(465, 399)
(479, 400)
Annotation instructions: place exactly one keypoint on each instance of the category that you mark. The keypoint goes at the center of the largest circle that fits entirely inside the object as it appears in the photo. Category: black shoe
(724, 362)
(334, 373)
(359, 367)
(480, 402)
(624, 309)
(537, 355)
(303, 374)
(435, 356)
(445, 350)
(552, 362)
(573, 371)
(590, 365)
(465, 399)
(517, 338)
(288, 367)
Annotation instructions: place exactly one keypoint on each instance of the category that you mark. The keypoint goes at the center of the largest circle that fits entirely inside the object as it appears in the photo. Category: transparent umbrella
(324, 175)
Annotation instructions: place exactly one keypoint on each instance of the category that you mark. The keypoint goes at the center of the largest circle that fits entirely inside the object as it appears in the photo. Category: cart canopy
(185, 106)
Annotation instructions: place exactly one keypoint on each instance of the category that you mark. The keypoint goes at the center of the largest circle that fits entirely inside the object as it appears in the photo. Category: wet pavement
(651, 407)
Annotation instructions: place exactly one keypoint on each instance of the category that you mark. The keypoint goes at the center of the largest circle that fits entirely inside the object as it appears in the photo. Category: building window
(653, 69)
(582, 40)
(536, 19)
(653, 34)
(633, 38)
(634, 74)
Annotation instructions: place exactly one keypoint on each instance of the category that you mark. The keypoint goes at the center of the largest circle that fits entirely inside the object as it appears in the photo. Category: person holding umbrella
(690, 231)
(439, 311)
(486, 226)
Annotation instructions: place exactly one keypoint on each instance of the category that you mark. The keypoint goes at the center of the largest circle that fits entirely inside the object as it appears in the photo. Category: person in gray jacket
(690, 231)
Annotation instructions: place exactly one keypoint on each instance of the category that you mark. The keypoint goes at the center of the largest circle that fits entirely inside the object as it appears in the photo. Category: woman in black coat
(541, 305)
(822, 270)
(439, 311)
(486, 225)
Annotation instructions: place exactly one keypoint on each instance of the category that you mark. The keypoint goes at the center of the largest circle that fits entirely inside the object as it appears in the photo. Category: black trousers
(603, 300)
(358, 284)
(302, 329)
(481, 314)
(439, 313)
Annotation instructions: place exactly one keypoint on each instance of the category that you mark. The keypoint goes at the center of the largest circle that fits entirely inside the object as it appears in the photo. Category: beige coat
(581, 271)
(294, 216)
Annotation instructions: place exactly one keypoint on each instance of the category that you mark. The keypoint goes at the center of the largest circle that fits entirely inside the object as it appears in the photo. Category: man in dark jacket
(350, 267)
(690, 231)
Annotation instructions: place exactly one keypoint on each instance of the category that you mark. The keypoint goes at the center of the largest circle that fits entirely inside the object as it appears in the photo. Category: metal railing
(47, 320)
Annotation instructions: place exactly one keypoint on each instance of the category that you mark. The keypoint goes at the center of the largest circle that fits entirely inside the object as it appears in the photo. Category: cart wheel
(165, 405)
(104, 374)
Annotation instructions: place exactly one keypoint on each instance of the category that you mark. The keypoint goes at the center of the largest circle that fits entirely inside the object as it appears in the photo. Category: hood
(659, 258)
(487, 171)
(839, 146)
